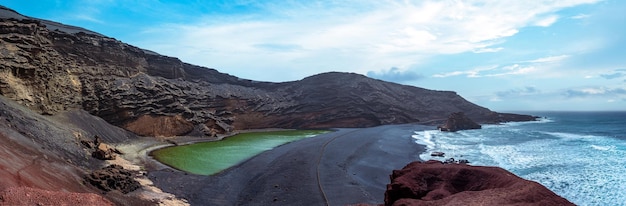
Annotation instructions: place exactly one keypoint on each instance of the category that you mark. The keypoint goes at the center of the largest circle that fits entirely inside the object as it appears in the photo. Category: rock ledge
(435, 183)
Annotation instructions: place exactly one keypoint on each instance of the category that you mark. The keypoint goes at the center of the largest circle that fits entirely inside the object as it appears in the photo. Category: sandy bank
(137, 157)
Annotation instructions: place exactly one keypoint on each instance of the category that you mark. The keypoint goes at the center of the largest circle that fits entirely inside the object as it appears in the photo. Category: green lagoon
(207, 158)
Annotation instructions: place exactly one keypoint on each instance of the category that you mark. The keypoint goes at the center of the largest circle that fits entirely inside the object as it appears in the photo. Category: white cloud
(473, 73)
(544, 64)
(581, 16)
(87, 17)
(451, 74)
(605, 73)
(357, 36)
(395, 74)
(598, 91)
(487, 50)
(593, 90)
(495, 71)
(546, 22)
(515, 69)
(549, 59)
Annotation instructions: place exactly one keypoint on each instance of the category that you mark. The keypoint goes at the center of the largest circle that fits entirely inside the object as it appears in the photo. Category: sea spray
(580, 156)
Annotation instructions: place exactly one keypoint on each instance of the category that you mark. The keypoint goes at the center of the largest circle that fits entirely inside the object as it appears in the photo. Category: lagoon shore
(347, 166)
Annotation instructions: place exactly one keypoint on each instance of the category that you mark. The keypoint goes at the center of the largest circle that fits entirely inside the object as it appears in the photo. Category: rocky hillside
(50, 67)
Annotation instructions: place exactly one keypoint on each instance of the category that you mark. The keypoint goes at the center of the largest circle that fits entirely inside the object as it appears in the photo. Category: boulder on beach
(104, 152)
(437, 154)
(458, 121)
(113, 177)
(435, 183)
(101, 150)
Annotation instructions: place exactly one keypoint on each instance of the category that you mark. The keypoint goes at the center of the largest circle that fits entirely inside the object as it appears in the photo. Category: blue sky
(506, 55)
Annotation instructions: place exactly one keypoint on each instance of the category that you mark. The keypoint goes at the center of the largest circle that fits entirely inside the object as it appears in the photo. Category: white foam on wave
(541, 120)
(582, 175)
(603, 148)
(571, 136)
(510, 157)
(447, 142)
(585, 169)
(425, 138)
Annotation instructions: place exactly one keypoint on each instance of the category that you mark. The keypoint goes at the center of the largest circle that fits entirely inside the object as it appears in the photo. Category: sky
(506, 55)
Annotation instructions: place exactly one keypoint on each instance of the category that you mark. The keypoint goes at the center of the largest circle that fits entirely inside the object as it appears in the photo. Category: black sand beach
(344, 167)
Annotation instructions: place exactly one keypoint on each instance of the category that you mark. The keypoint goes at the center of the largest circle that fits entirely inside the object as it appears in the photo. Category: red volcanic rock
(32, 196)
(148, 125)
(458, 121)
(435, 183)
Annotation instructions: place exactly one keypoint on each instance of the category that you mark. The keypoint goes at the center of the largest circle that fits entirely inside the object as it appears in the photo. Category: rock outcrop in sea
(435, 183)
(458, 121)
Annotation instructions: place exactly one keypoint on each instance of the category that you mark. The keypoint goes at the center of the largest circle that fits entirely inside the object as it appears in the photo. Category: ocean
(581, 156)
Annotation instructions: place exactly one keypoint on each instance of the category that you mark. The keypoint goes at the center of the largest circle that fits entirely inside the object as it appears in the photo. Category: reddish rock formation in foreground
(32, 196)
(434, 183)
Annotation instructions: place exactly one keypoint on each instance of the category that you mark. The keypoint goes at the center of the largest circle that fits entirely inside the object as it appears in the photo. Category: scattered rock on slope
(101, 150)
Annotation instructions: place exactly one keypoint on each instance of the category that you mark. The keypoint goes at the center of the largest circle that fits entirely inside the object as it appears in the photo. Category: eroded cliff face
(50, 68)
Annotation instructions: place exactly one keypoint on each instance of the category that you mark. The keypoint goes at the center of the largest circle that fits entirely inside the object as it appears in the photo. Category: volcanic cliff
(62, 85)
(50, 67)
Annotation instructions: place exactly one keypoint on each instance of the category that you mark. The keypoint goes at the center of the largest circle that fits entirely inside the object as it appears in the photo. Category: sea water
(581, 156)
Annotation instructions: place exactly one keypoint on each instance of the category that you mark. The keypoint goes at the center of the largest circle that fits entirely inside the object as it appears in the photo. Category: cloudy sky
(507, 55)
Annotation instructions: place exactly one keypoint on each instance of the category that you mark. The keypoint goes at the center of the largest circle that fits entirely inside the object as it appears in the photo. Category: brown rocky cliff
(50, 67)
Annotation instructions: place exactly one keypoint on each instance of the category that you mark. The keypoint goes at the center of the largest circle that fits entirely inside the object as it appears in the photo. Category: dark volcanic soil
(350, 166)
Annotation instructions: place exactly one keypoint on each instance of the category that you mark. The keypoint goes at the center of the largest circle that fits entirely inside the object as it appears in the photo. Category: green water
(207, 158)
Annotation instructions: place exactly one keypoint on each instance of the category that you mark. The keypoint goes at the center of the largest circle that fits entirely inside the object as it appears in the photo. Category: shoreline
(207, 158)
(139, 150)
(349, 165)
(137, 157)
(365, 168)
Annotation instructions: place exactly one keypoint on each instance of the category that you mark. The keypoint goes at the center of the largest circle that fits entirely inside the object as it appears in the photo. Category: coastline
(139, 150)
(347, 166)
(137, 157)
